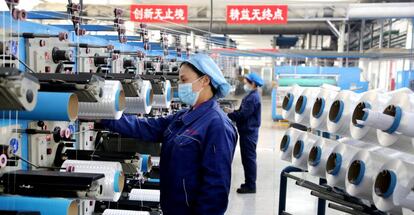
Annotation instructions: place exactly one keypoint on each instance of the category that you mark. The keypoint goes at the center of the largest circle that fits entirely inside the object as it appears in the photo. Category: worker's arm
(216, 170)
(245, 111)
(147, 129)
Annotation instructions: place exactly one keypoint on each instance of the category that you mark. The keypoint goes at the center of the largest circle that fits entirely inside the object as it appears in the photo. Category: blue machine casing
(405, 79)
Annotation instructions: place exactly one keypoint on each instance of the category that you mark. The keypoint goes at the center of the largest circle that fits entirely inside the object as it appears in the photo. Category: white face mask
(247, 88)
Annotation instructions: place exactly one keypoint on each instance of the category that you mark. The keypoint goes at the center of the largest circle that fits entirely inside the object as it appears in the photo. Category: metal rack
(340, 200)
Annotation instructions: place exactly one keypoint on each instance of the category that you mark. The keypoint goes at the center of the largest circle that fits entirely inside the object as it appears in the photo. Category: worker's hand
(228, 110)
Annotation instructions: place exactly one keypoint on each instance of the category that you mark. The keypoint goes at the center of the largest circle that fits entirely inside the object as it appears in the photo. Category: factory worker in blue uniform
(197, 143)
(248, 118)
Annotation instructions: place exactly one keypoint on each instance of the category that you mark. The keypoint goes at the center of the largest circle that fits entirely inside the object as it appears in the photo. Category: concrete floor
(265, 201)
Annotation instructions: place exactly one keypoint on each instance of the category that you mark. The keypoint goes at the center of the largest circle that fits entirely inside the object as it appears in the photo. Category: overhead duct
(221, 27)
(380, 10)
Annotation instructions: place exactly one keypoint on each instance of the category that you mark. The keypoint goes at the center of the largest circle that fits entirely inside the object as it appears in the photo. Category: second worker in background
(248, 119)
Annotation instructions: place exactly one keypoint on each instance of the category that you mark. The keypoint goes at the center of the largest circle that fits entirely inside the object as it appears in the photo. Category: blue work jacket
(248, 116)
(196, 155)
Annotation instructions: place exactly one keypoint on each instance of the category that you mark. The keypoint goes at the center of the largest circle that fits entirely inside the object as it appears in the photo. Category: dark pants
(248, 142)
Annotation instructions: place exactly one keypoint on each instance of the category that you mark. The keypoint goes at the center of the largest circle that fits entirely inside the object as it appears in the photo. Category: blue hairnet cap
(253, 77)
(206, 65)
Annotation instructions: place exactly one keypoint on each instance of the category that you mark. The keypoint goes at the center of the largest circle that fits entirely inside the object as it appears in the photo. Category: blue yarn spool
(339, 113)
(46, 206)
(284, 145)
(297, 152)
(337, 163)
(360, 165)
(302, 107)
(317, 159)
(396, 122)
(289, 103)
(322, 107)
(144, 163)
(148, 98)
(53, 107)
(117, 94)
(116, 179)
(168, 86)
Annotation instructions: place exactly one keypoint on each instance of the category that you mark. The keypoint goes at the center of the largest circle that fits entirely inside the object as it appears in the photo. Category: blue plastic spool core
(288, 101)
(13, 47)
(318, 108)
(396, 112)
(154, 180)
(385, 183)
(116, 179)
(302, 104)
(334, 164)
(284, 144)
(359, 114)
(14, 143)
(326, 135)
(144, 163)
(336, 111)
(298, 149)
(356, 172)
(168, 93)
(315, 156)
(117, 94)
(148, 99)
(72, 128)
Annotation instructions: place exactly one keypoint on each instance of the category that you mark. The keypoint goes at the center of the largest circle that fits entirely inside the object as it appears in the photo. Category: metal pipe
(348, 42)
(380, 10)
(412, 45)
(361, 33)
(283, 187)
(211, 16)
(345, 209)
(389, 32)
(336, 200)
(316, 41)
(372, 35)
(381, 36)
(221, 27)
(321, 202)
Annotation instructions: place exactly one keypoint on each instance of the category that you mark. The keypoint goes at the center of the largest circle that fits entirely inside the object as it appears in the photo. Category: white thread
(145, 195)
(124, 212)
(348, 100)
(310, 95)
(327, 93)
(109, 169)
(107, 108)
(138, 104)
(295, 91)
(285, 150)
(308, 140)
(347, 148)
(326, 146)
(161, 100)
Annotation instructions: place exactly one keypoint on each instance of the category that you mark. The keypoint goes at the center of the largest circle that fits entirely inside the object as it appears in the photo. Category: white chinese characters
(265, 14)
(159, 14)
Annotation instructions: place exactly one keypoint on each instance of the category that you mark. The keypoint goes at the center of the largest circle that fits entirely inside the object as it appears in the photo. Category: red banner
(257, 14)
(159, 13)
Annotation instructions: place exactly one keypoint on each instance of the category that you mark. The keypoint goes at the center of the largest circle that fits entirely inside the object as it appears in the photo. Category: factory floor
(265, 201)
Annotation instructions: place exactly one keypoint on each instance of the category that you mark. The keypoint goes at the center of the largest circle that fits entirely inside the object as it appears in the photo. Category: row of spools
(113, 102)
(108, 188)
(374, 158)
